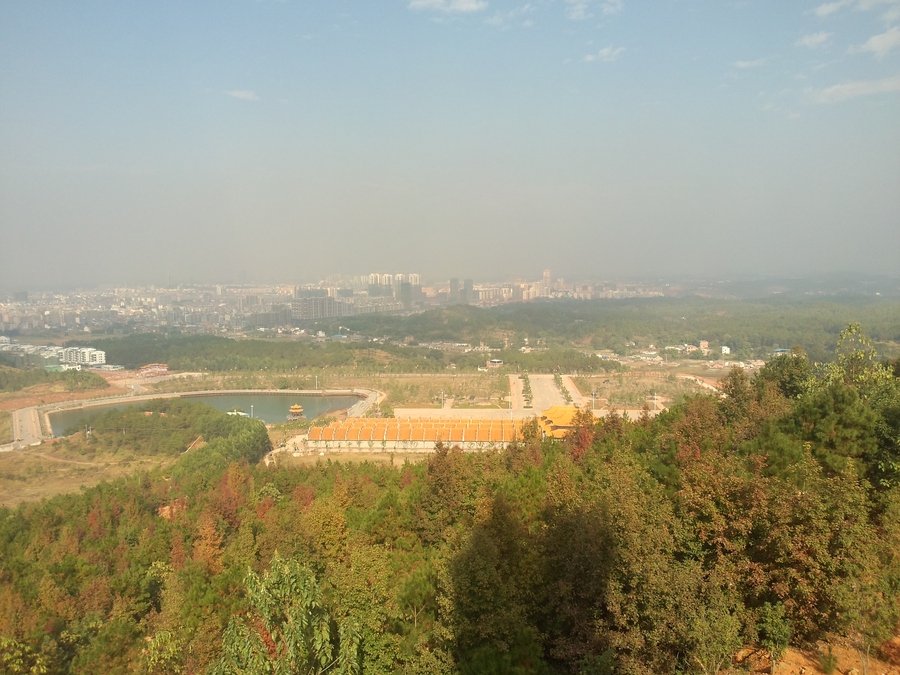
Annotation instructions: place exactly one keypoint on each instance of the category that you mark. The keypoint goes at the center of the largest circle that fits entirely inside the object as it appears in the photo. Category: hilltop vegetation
(768, 517)
(160, 426)
(216, 354)
(565, 329)
(747, 327)
(15, 379)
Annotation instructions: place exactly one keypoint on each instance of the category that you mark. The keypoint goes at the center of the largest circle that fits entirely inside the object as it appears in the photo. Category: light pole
(251, 411)
(593, 399)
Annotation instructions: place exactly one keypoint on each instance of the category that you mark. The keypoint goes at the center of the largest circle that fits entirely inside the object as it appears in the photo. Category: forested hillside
(743, 325)
(216, 354)
(767, 517)
(748, 328)
(16, 379)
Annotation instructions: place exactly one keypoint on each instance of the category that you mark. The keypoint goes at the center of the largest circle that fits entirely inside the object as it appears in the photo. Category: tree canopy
(766, 517)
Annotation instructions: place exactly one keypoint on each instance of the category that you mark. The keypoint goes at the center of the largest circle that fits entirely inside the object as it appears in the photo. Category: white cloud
(613, 6)
(606, 55)
(848, 90)
(243, 94)
(881, 45)
(449, 6)
(891, 14)
(813, 40)
(749, 64)
(831, 7)
(578, 10)
(503, 19)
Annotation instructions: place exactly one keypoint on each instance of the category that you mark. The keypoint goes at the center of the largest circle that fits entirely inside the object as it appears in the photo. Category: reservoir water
(270, 408)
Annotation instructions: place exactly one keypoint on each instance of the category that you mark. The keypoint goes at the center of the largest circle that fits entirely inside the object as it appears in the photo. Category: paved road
(701, 382)
(546, 393)
(465, 413)
(543, 388)
(515, 392)
(26, 429)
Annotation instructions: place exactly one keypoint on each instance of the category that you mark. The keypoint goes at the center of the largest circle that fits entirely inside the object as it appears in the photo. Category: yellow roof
(560, 415)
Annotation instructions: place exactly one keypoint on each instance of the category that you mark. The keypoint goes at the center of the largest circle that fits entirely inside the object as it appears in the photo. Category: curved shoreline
(42, 430)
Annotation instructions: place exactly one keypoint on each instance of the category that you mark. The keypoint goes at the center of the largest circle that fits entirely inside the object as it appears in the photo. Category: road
(701, 382)
(545, 393)
(26, 429)
(515, 392)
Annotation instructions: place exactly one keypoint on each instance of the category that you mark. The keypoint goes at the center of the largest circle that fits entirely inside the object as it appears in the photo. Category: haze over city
(285, 141)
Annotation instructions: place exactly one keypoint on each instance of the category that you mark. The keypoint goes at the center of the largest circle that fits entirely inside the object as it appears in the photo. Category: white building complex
(87, 356)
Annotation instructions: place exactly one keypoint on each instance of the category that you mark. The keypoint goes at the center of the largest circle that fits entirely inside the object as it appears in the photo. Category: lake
(270, 408)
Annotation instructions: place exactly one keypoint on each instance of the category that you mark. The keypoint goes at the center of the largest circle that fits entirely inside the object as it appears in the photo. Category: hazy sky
(238, 140)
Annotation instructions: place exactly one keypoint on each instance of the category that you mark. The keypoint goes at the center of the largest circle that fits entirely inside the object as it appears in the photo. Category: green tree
(774, 631)
(17, 658)
(288, 630)
(857, 363)
(837, 424)
(791, 373)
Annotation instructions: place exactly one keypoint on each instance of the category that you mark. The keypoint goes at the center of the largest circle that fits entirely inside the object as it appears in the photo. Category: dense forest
(769, 516)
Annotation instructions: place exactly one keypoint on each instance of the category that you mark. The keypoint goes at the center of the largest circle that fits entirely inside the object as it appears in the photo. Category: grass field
(466, 390)
(639, 386)
(5, 427)
(423, 391)
(408, 391)
(52, 468)
(52, 392)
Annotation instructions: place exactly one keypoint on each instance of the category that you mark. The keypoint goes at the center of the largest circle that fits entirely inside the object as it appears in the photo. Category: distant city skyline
(264, 142)
(859, 280)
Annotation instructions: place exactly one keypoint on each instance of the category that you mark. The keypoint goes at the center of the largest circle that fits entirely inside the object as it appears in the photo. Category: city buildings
(238, 308)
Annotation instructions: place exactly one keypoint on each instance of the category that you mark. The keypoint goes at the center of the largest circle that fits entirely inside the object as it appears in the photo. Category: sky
(245, 141)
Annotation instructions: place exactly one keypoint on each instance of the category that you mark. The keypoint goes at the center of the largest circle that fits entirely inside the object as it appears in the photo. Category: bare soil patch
(42, 394)
(810, 661)
(55, 468)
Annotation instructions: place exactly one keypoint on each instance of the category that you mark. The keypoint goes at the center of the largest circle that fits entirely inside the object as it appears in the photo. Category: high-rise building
(467, 292)
(405, 294)
(454, 291)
